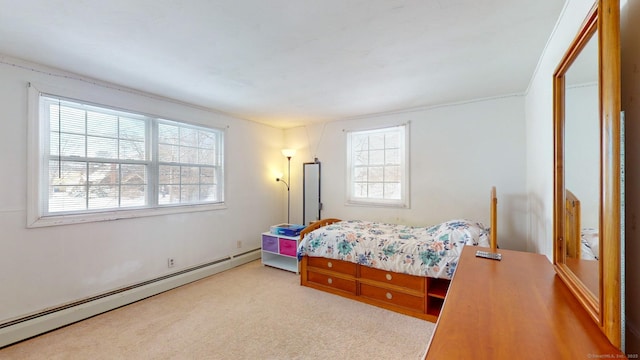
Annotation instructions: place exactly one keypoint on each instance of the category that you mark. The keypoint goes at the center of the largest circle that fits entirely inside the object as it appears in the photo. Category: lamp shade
(288, 152)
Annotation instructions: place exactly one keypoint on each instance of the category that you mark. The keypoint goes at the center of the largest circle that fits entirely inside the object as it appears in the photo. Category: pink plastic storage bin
(288, 247)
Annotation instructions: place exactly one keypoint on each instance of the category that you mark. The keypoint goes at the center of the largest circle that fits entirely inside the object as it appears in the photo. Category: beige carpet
(250, 312)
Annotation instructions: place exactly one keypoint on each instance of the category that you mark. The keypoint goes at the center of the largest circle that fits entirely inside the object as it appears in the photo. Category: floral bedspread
(423, 251)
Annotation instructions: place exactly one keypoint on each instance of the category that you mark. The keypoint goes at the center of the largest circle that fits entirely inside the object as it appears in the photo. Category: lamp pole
(288, 153)
(288, 190)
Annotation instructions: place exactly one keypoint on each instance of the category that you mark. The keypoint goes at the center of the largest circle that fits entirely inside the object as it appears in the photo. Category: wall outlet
(170, 262)
(239, 244)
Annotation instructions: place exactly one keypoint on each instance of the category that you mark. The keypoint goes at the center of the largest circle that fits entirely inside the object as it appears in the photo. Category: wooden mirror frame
(606, 309)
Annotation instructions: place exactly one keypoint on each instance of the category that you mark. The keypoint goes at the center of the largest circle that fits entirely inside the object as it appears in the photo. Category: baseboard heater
(53, 318)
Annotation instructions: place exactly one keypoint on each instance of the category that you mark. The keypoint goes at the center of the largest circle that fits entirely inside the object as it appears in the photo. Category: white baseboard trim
(22, 330)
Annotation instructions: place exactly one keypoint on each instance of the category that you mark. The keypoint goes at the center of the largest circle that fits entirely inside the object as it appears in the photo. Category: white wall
(630, 28)
(457, 153)
(46, 267)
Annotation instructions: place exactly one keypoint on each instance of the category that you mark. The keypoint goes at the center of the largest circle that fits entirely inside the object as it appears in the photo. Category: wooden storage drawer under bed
(394, 297)
(386, 277)
(416, 296)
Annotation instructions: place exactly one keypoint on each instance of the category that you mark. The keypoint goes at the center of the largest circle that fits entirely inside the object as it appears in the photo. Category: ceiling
(290, 62)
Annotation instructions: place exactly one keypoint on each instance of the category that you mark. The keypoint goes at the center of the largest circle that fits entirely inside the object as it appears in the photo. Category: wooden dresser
(516, 308)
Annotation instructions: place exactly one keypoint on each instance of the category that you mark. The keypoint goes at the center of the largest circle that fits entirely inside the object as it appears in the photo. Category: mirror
(582, 166)
(587, 205)
(311, 203)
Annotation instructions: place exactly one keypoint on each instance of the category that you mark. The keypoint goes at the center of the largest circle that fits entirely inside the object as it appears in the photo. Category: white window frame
(403, 201)
(38, 176)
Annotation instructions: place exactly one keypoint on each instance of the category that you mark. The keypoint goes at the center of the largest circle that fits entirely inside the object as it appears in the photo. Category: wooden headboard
(572, 226)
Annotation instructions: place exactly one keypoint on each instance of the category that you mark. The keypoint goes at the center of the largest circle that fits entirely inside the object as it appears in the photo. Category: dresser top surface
(513, 308)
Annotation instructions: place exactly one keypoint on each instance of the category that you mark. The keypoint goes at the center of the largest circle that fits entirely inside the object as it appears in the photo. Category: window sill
(55, 220)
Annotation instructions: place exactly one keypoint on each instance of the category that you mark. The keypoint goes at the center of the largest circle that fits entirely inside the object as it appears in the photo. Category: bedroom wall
(457, 152)
(630, 71)
(46, 267)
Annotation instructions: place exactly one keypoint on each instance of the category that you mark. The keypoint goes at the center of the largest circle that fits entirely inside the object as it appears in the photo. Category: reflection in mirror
(582, 166)
(311, 202)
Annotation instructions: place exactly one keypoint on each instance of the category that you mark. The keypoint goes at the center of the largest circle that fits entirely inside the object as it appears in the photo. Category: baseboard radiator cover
(35, 324)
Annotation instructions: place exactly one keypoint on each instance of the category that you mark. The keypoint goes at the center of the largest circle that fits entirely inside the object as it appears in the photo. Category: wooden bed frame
(572, 226)
(417, 296)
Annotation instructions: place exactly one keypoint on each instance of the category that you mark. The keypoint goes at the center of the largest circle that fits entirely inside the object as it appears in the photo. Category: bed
(401, 268)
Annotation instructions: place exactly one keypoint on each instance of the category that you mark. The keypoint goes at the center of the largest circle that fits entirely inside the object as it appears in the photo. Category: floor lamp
(288, 153)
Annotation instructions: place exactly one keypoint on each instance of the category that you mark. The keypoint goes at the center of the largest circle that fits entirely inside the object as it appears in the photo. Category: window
(377, 167)
(96, 159)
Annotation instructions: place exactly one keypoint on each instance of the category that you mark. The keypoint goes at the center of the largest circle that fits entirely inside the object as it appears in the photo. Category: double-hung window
(98, 160)
(377, 167)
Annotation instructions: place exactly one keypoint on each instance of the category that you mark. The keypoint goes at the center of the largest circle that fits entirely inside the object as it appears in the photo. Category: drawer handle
(389, 296)
(329, 264)
(389, 277)
(330, 280)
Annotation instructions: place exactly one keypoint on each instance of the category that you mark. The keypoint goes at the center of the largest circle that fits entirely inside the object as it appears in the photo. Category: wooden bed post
(493, 238)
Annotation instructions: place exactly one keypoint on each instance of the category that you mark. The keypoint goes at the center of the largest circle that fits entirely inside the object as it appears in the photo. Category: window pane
(190, 193)
(360, 142)
(169, 153)
(67, 198)
(206, 157)
(376, 141)
(392, 191)
(169, 174)
(188, 137)
(207, 140)
(102, 147)
(132, 129)
(188, 155)
(206, 176)
(376, 173)
(169, 194)
(71, 120)
(67, 186)
(392, 173)
(376, 191)
(392, 157)
(168, 134)
(360, 190)
(208, 193)
(361, 158)
(67, 173)
(392, 140)
(72, 145)
(133, 195)
(190, 175)
(132, 150)
(103, 197)
(376, 157)
(102, 124)
(103, 173)
(133, 174)
(360, 174)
